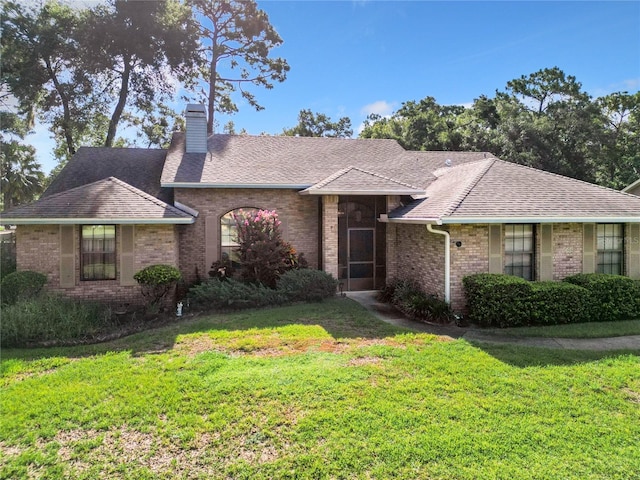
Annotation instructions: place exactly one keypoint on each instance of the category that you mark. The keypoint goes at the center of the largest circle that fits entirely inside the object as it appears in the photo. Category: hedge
(556, 302)
(613, 297)
(497, 300)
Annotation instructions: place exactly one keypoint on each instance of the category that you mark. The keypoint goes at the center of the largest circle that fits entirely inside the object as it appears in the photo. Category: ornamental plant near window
(264, 255)
(156, 282)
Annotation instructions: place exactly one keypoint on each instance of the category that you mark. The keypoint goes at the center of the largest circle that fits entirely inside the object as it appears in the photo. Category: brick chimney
(196, 117)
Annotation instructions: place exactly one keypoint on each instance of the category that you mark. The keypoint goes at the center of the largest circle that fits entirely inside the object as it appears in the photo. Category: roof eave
(362, 192)
(631, 187)
(522, 219)
(96, 221)
(280, 186)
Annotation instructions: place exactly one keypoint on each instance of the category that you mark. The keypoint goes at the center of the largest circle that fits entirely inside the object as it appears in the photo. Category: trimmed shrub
(497, 300)
(51, 318)
(557, 302)
(232, 294)
(307, 285)
(21, 285)
(613, 297)
(156, 282)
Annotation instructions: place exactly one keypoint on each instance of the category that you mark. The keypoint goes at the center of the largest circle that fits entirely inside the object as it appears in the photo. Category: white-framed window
(229, 236)
(98, 252)
(610, 245)
(519, 250)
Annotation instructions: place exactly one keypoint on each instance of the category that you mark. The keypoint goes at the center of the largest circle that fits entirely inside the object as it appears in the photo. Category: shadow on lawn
(339, 318)
(526, 356)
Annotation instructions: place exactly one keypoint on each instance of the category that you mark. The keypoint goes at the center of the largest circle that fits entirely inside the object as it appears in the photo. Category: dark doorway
(361, 242)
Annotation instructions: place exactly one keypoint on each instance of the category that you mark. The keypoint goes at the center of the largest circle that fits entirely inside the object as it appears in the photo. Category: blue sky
(359, 57)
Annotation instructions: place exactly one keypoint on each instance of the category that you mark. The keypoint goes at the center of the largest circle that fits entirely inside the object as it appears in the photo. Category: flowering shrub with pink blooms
(264, 255)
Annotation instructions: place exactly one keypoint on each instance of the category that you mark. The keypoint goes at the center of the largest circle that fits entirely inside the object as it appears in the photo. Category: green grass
(316, 391)
(576, 330)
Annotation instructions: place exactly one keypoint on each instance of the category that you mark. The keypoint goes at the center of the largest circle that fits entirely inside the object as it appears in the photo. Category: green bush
(557, 302)
(613, 297)
(408, 296)
(428, 307)
(21, 285)
(496, 300)
(307, 285)
(233, 294)
(7, 259)
(50, 318)
(157, 281)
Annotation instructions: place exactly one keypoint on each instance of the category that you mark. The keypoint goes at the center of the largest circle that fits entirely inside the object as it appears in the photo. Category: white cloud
(381, 107)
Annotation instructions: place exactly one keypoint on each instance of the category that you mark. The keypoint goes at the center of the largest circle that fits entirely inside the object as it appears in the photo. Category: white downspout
(447, 261)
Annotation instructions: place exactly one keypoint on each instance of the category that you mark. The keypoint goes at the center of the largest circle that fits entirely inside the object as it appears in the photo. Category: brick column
(330, 234)
(393, 202)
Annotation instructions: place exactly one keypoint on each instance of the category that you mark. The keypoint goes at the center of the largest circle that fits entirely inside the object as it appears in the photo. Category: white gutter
(495, 220)
(447, 261)
(95, 221)
(359, 192)
(235, 185)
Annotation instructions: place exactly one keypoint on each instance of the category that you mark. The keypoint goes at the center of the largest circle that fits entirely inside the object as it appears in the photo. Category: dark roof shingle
(106, 201)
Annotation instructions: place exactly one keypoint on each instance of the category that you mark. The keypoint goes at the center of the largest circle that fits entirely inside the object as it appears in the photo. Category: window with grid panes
(519, 249)
(98, 257)
(229, 236)
(610, 244)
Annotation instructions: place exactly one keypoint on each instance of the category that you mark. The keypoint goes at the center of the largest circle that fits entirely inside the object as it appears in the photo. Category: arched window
(229, 236)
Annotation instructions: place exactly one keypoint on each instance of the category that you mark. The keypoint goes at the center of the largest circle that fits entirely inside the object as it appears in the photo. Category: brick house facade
(365, 211)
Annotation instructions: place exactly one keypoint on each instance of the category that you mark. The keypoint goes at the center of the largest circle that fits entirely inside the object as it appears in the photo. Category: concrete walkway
(389, 314)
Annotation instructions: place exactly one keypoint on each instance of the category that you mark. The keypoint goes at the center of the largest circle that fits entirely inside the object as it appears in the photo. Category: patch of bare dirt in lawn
(361, 361)
(277, 347)
(632, 395)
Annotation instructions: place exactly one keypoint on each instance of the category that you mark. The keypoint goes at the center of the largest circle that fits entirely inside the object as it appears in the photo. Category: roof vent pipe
(196, 119)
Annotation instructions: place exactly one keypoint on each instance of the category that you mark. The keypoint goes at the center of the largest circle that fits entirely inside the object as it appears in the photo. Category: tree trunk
(66, 119)
(122, 101)
(213, 73)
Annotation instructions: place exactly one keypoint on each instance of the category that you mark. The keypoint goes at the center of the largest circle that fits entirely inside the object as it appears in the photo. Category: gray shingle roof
(355, 181)
(106, 201)
(498, 190)
(139, 167)
(297, 162)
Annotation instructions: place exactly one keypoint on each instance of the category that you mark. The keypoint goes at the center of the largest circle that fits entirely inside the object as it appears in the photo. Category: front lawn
(618, 328)
(316, 391)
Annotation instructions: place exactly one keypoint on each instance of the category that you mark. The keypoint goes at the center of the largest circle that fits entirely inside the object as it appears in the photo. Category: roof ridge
(565, 177)
(334, 176)
(465, 191)
(383, 177)
(142, 194)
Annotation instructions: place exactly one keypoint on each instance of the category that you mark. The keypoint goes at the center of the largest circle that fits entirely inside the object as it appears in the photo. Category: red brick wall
(299, 213)
(38, 249)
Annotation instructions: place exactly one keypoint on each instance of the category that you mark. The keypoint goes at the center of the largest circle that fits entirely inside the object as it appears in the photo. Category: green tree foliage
(543, 120)
(319, 125)
(39, 67)
(21, 176)
(138, 49)
(237, 38)
(85, 71)
(620, 156)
